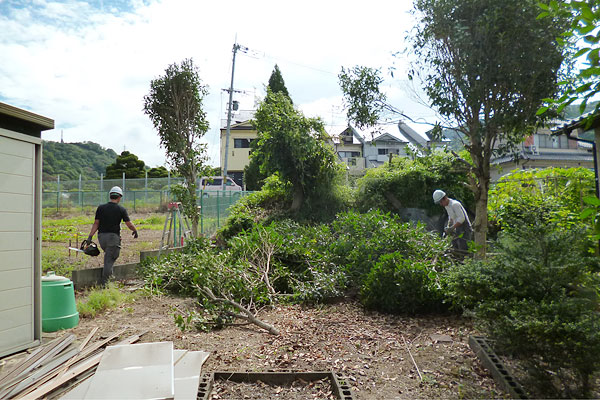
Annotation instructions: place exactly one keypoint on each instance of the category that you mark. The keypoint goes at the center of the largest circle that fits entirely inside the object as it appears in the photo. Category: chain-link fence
(139, 195)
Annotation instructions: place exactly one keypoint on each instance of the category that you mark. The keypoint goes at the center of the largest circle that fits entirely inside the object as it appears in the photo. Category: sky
(89, 64)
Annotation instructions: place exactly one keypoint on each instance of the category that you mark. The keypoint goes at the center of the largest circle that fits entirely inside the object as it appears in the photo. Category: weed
(98, 300)
(154, 223)
(54, 259)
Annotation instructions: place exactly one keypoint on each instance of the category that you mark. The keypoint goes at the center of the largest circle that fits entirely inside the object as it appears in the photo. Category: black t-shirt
(110, 216)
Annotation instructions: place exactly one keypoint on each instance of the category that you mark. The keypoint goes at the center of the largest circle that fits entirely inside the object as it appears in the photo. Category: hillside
(71, 159)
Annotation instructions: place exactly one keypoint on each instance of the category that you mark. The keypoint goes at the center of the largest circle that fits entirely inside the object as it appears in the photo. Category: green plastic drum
(59, 310)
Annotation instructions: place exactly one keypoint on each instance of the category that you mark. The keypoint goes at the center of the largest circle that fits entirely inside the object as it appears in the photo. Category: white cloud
(88, 65)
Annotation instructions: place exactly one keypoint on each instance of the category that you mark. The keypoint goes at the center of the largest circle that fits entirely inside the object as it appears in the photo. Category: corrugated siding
(17, 170)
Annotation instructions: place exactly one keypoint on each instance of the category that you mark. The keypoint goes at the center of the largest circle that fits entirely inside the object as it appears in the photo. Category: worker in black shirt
(108, 224)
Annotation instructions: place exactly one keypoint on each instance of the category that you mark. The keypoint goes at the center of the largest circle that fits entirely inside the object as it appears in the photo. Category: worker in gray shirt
(459, 226)
(108, 224)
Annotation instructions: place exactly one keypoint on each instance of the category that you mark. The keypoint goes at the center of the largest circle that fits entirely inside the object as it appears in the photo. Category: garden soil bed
(370, 349)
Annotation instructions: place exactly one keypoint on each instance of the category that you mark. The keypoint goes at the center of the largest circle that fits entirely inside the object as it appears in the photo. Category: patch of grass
(154, 223)
(98, 300)
(56, 260)
(59, 230)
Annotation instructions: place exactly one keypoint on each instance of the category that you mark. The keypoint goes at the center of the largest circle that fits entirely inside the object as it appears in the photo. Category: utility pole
(236, 47)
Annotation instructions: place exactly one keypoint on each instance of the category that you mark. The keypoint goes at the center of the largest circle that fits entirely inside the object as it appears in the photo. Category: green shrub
(360, 240)
(401, 286)
(257, 207)
(538, 299)
(560, 191)
(411, 182)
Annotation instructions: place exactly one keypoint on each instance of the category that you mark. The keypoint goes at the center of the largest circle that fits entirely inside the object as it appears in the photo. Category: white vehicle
(212, 184)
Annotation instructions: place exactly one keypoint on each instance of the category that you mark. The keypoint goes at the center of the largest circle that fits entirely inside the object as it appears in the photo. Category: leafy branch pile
(284, 261)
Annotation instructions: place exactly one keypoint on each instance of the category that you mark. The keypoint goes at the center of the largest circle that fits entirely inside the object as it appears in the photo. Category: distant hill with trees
(71, 159)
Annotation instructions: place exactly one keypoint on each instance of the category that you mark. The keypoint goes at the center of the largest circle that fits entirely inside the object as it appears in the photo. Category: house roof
(413, 136)
(580, 122)
(556, 156)
(23, 121)
(382, 132)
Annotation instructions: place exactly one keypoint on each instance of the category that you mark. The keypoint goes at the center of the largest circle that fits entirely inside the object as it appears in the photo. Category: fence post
(201, 213)
(101, 187)
(218, 211)
(123, 182)
(134, 201)
(58, 194)
(80, 194)
(146, 188)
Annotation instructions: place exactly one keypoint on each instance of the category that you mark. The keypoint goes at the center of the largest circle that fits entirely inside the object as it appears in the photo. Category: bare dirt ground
(372, 350)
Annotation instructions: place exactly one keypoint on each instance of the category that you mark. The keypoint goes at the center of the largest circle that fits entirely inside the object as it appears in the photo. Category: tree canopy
(294, 147)
(175, 107)
(277, 84)
(582, 33)
(486, 66)
(127, 163)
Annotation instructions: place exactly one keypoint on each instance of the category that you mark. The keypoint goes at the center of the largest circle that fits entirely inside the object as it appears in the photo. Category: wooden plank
(71, 373)
(88, 338)
(51, 349)
(41, 372)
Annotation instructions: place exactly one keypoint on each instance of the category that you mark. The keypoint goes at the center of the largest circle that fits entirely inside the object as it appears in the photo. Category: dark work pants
(462, 236)
(111, 244)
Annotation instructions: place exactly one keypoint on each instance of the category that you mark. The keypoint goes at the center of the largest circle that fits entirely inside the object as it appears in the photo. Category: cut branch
(245, 313)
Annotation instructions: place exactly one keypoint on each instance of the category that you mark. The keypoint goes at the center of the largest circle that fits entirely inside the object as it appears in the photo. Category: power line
(261, 54)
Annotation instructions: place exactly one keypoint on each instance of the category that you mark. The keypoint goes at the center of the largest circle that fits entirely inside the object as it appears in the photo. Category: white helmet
(438, 195)
(116, 190)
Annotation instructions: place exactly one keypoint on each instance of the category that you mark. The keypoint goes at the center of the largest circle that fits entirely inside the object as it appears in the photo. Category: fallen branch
(246, 314)
(412, 358)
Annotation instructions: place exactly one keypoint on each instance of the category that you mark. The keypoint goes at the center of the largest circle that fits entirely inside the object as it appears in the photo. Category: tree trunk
(481, 219)
(192, 191)
(298, 197)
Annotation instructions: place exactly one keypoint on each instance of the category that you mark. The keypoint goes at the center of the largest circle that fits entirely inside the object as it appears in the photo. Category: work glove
(449, 230)
(134, 234)
(88, 240)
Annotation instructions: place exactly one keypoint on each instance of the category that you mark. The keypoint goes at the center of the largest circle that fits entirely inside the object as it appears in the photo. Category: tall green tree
(277, 84)
(486, 66)
(175, 107)
(293, 146)
(127, 163)
(253, 177)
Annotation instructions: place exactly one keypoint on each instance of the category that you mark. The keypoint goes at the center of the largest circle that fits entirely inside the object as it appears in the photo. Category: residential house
(349, 148)
(241, 134)
(539, 150)
(385, 141)
(357, 149)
